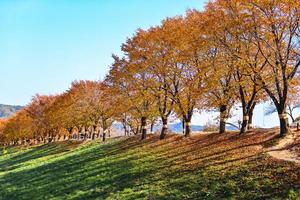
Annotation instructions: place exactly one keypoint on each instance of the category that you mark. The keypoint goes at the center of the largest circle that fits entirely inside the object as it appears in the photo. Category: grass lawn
(202, 167)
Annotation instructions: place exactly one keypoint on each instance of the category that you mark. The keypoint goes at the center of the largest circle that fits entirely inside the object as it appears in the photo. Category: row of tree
(234, 52)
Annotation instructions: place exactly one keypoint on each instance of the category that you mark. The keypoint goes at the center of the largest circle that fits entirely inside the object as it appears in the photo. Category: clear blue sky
(46, 44)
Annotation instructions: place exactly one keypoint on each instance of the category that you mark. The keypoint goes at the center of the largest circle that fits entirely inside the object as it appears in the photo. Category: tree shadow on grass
(88, 174)
(49, 149)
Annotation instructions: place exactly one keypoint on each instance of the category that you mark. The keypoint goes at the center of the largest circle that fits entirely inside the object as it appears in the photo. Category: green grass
(203, 167)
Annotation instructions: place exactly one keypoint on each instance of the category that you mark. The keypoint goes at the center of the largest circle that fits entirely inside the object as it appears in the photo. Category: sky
(47, 44)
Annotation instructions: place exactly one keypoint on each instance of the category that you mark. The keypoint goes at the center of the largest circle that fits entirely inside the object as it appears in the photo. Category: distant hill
(8, 110)
(175, 127)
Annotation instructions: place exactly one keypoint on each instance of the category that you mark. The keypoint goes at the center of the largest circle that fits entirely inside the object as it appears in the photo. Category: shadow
(35, 153)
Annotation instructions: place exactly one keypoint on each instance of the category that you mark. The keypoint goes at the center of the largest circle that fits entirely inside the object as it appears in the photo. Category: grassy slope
(202, 167)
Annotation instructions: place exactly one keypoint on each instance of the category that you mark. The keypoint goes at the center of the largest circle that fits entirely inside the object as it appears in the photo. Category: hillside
(210, 166)
(8, 110)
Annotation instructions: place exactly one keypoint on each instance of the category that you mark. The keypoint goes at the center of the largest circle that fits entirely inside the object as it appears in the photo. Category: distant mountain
(8, 110)
(177, 127)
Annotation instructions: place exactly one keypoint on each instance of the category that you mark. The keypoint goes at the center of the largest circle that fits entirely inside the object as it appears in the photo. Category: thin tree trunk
(250, 126)
(164, 128)
(94, 132)
(283, 119)
(104, 135)
(244, 123)
(152, 127)
(188, 129)
(143, 127)
(125, 128)
(222, 128)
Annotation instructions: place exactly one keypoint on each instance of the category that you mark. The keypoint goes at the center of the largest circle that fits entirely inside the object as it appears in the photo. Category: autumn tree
(128, 78)
(155, 49)
(189, 71)
(271, 29)
(234, 38)
(36, 109)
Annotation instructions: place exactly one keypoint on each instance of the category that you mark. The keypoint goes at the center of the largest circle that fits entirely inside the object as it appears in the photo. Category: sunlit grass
(203, 167)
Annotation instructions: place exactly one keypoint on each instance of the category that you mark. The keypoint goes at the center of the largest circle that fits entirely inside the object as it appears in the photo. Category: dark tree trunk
(283, 119)
(70, 130)
(143, 127)
(247, 106)
(250, 126)
(49, 138)
(125, 127)
(188, 129)
(284, 128)
(222, 128)
(164, 128)
(244, 124)
(104, 136)
(223, 110)
(152, 127)
(94, 132)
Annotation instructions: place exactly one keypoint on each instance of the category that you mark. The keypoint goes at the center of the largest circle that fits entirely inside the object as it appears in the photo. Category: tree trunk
(283, 119)
(222, 128)
(104, 136)
(164, 128)
(152, 127)
(284, 128)
(244, 124)
(124, 123)
(250, 126)
(143, 127)
(94, 132)
(125, 128)
(70, 130)
(188, 129)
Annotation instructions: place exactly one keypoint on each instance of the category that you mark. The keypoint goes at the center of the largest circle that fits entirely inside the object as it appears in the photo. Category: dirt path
(281, 151)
